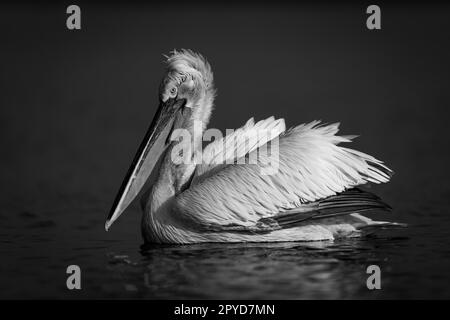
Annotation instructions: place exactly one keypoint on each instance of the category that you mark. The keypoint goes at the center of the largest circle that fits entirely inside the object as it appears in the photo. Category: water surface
(413, 263)
(75, 105)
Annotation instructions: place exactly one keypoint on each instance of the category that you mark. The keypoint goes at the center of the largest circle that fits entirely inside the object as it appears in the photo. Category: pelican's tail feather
(348, 202)
(369, 226)
(351, 201)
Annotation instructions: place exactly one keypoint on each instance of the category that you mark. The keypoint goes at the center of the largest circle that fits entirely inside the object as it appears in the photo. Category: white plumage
(310, 196)
(311, 167)
(236, 145)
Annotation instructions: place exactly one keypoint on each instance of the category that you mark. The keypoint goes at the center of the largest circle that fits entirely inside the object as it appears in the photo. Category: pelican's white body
(216, 202)
(311, 167)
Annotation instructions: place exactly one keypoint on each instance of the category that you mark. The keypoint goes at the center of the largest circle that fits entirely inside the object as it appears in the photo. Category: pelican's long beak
(151, 148)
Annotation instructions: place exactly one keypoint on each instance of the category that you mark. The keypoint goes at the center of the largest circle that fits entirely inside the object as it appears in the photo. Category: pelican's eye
(173, 92)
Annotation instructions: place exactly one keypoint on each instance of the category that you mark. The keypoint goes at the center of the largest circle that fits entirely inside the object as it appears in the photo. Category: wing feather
(311, 166)
(236, 145)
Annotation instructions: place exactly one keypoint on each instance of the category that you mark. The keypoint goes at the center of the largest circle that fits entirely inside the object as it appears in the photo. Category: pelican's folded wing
(311, 167)
(236, 145)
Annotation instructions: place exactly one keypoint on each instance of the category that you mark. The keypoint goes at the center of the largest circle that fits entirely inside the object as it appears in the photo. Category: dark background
(74, 106)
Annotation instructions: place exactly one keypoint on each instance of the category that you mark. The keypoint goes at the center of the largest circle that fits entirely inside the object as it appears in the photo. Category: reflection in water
(250, 271)
(114, 266)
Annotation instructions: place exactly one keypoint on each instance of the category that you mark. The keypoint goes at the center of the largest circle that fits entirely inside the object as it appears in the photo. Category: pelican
(312, 194)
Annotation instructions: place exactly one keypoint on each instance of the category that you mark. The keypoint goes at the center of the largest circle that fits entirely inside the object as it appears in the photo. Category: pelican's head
(186, 95)
(189, 77)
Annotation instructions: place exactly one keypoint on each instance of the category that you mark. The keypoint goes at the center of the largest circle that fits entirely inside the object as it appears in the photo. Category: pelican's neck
(164, 187)
(175, 174)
